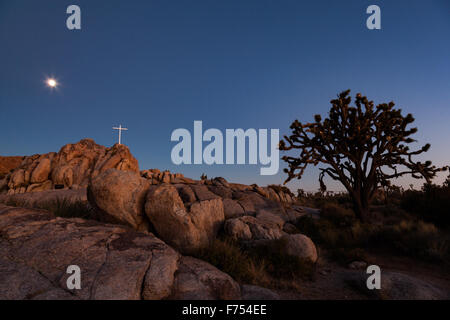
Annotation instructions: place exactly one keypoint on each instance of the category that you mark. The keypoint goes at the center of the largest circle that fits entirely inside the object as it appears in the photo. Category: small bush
(329, 235)
(337, 214)
(264, 265)
(431, 204)
(320, 199)
(343, 243)
(281, 265)
(65, 208)
(227, 256)
(417, 239)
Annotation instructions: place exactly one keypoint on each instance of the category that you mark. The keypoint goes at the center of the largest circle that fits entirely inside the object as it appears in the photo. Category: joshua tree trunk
(361, 207)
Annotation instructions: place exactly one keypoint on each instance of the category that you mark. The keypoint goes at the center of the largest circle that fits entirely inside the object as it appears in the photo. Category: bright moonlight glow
(52, 83)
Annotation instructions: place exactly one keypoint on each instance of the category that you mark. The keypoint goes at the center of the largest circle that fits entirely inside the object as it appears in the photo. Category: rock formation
(72, 167)
(189, 215)
(156, 217)
(8, 164)
(116, 262)
(120, 197)
(188, 226)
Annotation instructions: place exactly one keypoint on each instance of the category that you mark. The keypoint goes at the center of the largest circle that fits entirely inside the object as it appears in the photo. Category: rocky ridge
(72, 167)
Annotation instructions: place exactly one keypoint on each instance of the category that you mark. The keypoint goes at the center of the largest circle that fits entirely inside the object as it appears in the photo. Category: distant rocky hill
(72, 167)
(7, 164)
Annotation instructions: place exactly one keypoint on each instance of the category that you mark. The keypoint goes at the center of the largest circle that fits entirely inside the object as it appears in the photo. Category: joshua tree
(362, 146)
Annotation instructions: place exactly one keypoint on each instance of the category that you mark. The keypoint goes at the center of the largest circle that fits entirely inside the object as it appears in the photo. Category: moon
(52, 83)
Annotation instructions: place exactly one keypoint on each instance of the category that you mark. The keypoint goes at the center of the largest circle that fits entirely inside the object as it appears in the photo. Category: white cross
(120, 131)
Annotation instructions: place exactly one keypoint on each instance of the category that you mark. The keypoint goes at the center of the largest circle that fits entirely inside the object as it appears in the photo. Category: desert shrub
(320, 199)
(343, 243)
(331, 236)
(393, 213)
(337, 214)
(279, 264)
(415, 238)
(264, 264)
(63, 208)
(229, 257)
(431, 204)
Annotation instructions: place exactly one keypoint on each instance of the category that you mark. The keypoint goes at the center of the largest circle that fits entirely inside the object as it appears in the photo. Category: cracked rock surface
(116, 262)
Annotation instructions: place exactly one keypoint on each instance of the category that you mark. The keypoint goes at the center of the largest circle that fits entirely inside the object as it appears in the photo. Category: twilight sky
(155, 66)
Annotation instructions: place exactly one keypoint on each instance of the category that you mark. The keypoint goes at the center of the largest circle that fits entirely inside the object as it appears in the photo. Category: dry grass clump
(346, 238)
(416, 238)
(264, 265)
(337, 214)
(63, 208)
(431, 204)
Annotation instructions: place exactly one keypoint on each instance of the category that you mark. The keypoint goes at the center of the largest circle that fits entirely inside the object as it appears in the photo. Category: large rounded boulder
(265, 226)
(186, 226)
(300, 246)
(120, 197)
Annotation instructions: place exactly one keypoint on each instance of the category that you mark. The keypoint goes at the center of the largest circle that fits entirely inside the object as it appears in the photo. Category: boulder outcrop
(222, 188)
(263, 227)
(8, 164)
(266, 227)
(120, 196)
(188, 225)
(72, 167)
(116, 262)
(188, 216)
(197, 279)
